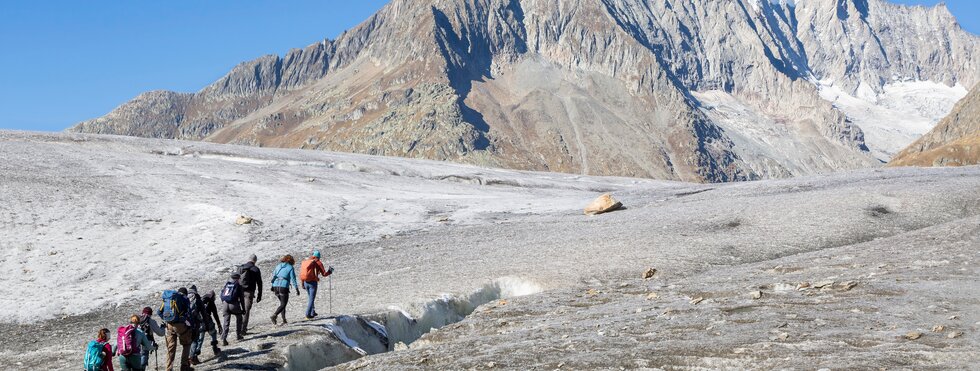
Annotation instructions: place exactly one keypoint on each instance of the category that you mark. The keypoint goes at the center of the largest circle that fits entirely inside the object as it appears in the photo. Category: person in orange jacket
(309, 274)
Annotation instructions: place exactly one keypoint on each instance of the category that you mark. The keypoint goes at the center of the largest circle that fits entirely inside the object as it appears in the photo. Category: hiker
(309, 273)
(234, 300)
(174, 312)
(209, 312)
(150, 328)
(251, 284)
(196, 318)
(281, 277)
(98, 353)
(131, 342)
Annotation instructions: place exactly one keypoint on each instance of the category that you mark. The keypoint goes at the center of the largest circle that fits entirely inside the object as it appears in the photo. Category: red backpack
(126, 341)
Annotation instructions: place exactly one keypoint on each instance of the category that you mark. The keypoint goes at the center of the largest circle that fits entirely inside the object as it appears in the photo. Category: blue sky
(66, 61)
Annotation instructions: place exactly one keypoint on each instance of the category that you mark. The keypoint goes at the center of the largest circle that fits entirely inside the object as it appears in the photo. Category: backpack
(93, 356)
(307, 272)
(145, 327)
(196, 308)
(126, 340)
(249, 276)
(230, 292)
(174, 308)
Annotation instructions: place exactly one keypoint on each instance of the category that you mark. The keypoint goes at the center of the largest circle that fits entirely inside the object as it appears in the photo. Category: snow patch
(896, 117)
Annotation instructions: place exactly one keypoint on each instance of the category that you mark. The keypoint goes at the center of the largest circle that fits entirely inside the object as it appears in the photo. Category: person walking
(196, 319)
(310, 273)
(234, 301)
(252, 288)
(281, 277)
(174, 312)
(211, 324)
(132, 342)
(98, 354)
(151, 329)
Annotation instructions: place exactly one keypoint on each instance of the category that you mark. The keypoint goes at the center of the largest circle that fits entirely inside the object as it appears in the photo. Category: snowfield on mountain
(869, 268)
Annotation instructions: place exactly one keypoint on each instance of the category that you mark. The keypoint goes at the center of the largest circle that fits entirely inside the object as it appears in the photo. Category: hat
(235, 276)
(253, 258)
(194, 288)
(147, 311)
(182, 290)
(316, 253)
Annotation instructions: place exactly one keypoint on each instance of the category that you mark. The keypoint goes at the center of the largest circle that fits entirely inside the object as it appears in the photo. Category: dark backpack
(249, 275)
(145, 327)
(196, 308)
(230, 293)
(174, 308)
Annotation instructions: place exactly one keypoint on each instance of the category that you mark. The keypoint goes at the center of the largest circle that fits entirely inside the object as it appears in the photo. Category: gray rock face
(698, 91)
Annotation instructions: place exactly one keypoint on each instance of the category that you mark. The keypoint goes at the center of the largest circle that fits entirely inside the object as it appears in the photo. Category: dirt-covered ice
(95, 223)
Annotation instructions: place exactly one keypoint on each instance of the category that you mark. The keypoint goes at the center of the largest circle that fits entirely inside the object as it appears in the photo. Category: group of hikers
(186, 316)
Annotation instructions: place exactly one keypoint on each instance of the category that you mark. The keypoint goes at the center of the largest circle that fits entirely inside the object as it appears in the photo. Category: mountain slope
(954, 142)
(611, 87)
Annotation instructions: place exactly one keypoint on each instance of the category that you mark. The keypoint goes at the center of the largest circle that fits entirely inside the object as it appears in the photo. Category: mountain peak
(704, 90)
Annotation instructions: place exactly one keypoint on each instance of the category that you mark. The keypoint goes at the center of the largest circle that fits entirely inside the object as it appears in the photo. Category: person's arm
(292, 277)
(213, 309)
(156, 328)
(143, 340)
(258, 281)
(319, 267)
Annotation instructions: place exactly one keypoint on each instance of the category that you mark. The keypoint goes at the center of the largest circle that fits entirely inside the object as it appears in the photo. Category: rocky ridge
(954, 142)
(608, 87)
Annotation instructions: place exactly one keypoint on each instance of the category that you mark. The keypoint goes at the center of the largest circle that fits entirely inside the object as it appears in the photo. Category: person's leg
(239, 328)
(171, 346)
(224, 326)
(185, 342)
(123, 366)
(144, 358)
(283, 301)
(249, 299)
(197, 342)
(310, 297)
(282, 304)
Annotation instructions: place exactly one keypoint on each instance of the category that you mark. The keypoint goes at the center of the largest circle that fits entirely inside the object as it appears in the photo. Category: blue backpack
(230, 293)
(174, 308)
(93, 356)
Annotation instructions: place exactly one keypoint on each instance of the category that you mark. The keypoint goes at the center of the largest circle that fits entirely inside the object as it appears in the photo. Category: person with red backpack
(310, 273)
(234, 300)
(98, 354)
(174, 312)
(130, 343)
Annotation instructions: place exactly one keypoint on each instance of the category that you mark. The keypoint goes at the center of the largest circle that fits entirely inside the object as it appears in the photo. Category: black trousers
(283, 294)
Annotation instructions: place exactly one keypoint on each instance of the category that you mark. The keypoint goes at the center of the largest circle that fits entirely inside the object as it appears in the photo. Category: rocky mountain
(954, 142)
(698, 90)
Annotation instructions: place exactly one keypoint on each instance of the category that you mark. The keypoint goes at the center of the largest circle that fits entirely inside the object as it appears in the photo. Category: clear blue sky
(66, 61)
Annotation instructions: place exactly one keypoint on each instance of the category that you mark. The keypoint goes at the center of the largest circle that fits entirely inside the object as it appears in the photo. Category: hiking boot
(216, 350)
(224, 342)
(284, 322)
(240, 338)
(308, 317)
(195, 361)
(274, 320)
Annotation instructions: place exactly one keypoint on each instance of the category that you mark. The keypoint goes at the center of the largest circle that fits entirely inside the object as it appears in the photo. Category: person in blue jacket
(281, 278)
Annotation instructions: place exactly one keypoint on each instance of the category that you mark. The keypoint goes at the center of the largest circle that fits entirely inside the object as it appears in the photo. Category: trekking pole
(330, 294)
(156, 360)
